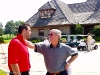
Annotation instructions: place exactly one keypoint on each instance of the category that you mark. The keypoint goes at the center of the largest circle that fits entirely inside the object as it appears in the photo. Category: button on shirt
(55, 58)
(18, 54)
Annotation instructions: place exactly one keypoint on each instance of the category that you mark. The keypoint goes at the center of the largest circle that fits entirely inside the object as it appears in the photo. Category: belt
(55, 73)
(25, 72)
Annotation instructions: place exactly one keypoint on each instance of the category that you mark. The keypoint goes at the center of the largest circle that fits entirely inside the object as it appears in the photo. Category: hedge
(1, 40)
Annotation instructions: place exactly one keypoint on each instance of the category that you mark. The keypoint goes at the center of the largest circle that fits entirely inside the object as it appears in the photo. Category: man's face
(53, 37)
(28, 32)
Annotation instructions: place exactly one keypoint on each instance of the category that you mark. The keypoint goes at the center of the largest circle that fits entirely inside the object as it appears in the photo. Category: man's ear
(24, 30)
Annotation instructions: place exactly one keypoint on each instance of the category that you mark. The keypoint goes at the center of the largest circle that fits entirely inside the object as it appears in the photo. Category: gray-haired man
(55, 54)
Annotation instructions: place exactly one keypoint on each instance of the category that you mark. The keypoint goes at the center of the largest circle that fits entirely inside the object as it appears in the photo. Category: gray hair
(58, 32)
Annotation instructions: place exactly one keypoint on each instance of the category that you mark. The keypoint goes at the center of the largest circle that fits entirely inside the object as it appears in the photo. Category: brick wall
(65, 30)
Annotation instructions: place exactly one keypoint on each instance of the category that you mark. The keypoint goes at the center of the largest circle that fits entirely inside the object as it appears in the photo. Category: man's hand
(73, 57)
(67, 65)
(30, 44)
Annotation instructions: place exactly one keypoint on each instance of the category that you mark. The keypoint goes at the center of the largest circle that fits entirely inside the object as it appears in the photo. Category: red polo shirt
(18, 54)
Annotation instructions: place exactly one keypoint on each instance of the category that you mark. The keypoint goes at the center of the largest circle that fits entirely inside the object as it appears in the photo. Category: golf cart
(71, 40)
(83, 46)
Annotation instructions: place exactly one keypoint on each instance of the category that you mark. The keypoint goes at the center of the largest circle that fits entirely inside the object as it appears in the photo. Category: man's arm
(15, 69)
(73, 57)
(30, 44)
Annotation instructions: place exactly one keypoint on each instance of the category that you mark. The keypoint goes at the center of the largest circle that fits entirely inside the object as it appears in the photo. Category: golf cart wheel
(83, 48)
(78, 48)
(96, 47)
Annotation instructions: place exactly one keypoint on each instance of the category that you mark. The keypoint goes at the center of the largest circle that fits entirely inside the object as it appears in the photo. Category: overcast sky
(23, 9)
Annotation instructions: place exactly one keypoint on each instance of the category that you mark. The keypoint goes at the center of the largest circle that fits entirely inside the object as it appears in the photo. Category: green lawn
(7, 41)
(7, 38)
(2, 72)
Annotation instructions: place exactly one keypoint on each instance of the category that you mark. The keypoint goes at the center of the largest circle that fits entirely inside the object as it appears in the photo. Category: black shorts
(22, 73)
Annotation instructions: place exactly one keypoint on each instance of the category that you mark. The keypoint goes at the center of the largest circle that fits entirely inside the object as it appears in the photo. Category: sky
(23, 9)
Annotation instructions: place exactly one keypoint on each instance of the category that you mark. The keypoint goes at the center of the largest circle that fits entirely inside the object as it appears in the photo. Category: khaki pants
(89, 46)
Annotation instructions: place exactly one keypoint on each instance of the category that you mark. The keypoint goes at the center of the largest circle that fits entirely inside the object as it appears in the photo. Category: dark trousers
(22, 73)
(61, 73)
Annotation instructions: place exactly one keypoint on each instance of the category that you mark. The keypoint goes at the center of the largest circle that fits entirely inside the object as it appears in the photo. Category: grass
(7, 38)
(7, 41)
(2, 72)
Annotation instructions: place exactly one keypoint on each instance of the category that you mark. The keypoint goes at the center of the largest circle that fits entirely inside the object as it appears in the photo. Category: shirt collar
(58, 45)
(20, 37)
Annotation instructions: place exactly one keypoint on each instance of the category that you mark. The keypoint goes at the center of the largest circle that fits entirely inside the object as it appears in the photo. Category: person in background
(18, 55)
(55, 54)
(89, 40)
(46, 41)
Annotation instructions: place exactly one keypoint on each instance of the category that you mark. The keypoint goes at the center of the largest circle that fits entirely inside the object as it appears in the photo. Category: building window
(41, 14)
(49, 14)
(41, 32)
(46, 13)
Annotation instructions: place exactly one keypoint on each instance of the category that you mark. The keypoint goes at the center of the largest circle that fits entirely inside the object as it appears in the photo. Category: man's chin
(28, 38)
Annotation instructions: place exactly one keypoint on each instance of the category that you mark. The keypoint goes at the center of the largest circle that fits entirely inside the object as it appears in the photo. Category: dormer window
(49, 14)
(46, 13)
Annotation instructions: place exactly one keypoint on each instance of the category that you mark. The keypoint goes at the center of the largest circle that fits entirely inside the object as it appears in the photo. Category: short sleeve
(71, 52)
(39, 47)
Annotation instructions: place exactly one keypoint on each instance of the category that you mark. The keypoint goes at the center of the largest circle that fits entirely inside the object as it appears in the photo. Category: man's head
(54, 35)
(25, 30)
(88, 33)
(45, 38)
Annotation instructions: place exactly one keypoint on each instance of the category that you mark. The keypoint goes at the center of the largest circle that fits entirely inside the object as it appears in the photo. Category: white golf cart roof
(68, 37)
(77, 35)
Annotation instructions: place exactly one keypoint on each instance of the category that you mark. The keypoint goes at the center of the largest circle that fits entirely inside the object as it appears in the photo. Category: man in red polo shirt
(18, 55)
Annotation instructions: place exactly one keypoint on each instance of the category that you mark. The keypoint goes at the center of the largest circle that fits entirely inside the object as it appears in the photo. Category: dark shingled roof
(94, 18)
(82, 7)
(83, 13)
(47, 5)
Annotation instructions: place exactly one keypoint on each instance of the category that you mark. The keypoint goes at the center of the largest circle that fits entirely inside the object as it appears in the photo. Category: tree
(17, 23)
(1, 29)
(10, 27)
(96, 30)
(78, 29)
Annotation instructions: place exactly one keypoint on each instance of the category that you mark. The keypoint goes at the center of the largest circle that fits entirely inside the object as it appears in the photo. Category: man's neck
(54, 44)
(23, 37)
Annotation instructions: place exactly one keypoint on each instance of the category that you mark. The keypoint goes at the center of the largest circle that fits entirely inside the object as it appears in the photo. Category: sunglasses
(50, 34)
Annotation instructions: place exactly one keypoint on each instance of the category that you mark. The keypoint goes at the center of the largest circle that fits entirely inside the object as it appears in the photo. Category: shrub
(96, 30)
(97, 38)
(1, 40)
(35, 40)
(63, 40)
